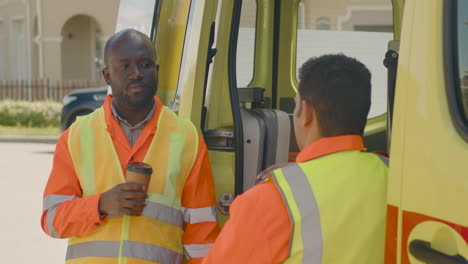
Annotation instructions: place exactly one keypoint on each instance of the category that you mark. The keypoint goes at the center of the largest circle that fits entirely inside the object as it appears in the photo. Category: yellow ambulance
(427, 220)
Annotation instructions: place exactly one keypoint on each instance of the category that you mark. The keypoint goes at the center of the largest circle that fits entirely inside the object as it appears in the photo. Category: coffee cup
(139, 172)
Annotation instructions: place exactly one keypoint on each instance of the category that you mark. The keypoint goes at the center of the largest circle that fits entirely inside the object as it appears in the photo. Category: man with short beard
(87, 198)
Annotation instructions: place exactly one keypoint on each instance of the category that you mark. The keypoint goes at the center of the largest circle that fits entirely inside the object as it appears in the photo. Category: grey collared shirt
(132, 132)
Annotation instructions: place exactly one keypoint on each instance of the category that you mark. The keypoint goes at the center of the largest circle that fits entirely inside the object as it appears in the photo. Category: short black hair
(118, 36)
(339, 89)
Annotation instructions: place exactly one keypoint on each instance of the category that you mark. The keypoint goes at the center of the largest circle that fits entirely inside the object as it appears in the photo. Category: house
(54, 39)
(64, 39)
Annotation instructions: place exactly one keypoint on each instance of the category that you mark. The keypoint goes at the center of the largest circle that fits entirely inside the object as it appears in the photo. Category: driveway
(24, 169)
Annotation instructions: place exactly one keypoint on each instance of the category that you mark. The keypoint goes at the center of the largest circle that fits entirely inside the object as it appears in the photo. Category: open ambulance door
(183, 33)
(260, 45)
(231, 66)
(427, 219)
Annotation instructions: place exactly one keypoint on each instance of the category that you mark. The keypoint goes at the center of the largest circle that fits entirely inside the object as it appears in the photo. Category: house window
(18, 48)
(323, 23)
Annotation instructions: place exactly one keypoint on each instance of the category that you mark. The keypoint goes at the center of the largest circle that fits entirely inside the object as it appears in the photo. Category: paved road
(24, 171)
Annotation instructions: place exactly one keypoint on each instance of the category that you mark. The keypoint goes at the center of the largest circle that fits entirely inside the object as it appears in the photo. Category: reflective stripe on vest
(172, 154)
(50, 204)
(129, 249)
(199, 215)
(337, 207)
(306, 242)
(197, 250)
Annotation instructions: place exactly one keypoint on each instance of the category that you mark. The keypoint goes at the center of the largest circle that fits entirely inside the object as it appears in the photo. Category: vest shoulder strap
(296, 190)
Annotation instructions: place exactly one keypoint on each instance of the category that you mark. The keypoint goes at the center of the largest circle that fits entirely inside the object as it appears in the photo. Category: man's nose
(136, 73)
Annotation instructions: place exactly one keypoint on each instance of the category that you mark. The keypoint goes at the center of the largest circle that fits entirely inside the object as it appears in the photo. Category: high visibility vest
(156, 236)
(336, 204)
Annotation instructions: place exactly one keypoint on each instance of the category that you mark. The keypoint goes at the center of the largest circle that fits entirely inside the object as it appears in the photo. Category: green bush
(30, 114)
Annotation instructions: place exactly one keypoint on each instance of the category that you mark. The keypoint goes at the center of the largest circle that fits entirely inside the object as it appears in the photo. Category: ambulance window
(136, 14)
(463, 53)
(359, 30)
(457, 54)
(246, 43)
(170, 38)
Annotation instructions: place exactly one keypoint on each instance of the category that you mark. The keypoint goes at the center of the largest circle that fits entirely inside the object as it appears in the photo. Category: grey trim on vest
(164, 213)
(310, 215)
(50, 221)
(152, 253)
(382, 158)
(55, 200)
(110, 249)
(289, 212)
(50, 204)
(200, 215)
(106, 249)
(197, 250)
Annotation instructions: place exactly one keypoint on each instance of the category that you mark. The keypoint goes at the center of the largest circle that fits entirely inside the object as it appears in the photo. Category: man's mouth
(136, 88)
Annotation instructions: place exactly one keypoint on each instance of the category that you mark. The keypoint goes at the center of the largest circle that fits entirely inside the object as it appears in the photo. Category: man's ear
(308, 112)
(106, 75)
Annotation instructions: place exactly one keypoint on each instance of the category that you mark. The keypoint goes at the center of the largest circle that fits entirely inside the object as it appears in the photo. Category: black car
(81, 102)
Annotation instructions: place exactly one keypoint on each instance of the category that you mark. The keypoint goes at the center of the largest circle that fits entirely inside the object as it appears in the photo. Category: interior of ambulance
(230, 66)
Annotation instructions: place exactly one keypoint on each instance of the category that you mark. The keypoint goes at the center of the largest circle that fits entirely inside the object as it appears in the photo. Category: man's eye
(124, 66)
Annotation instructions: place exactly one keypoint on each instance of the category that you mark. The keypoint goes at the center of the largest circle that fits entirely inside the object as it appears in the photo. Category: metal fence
(38, 90)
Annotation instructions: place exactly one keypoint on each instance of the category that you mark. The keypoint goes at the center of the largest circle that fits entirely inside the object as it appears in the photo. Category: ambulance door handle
(224, 203)
(423, 251)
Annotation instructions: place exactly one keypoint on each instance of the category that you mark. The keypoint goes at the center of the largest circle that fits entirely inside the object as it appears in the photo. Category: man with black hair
(329, 206)
(87, 199)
